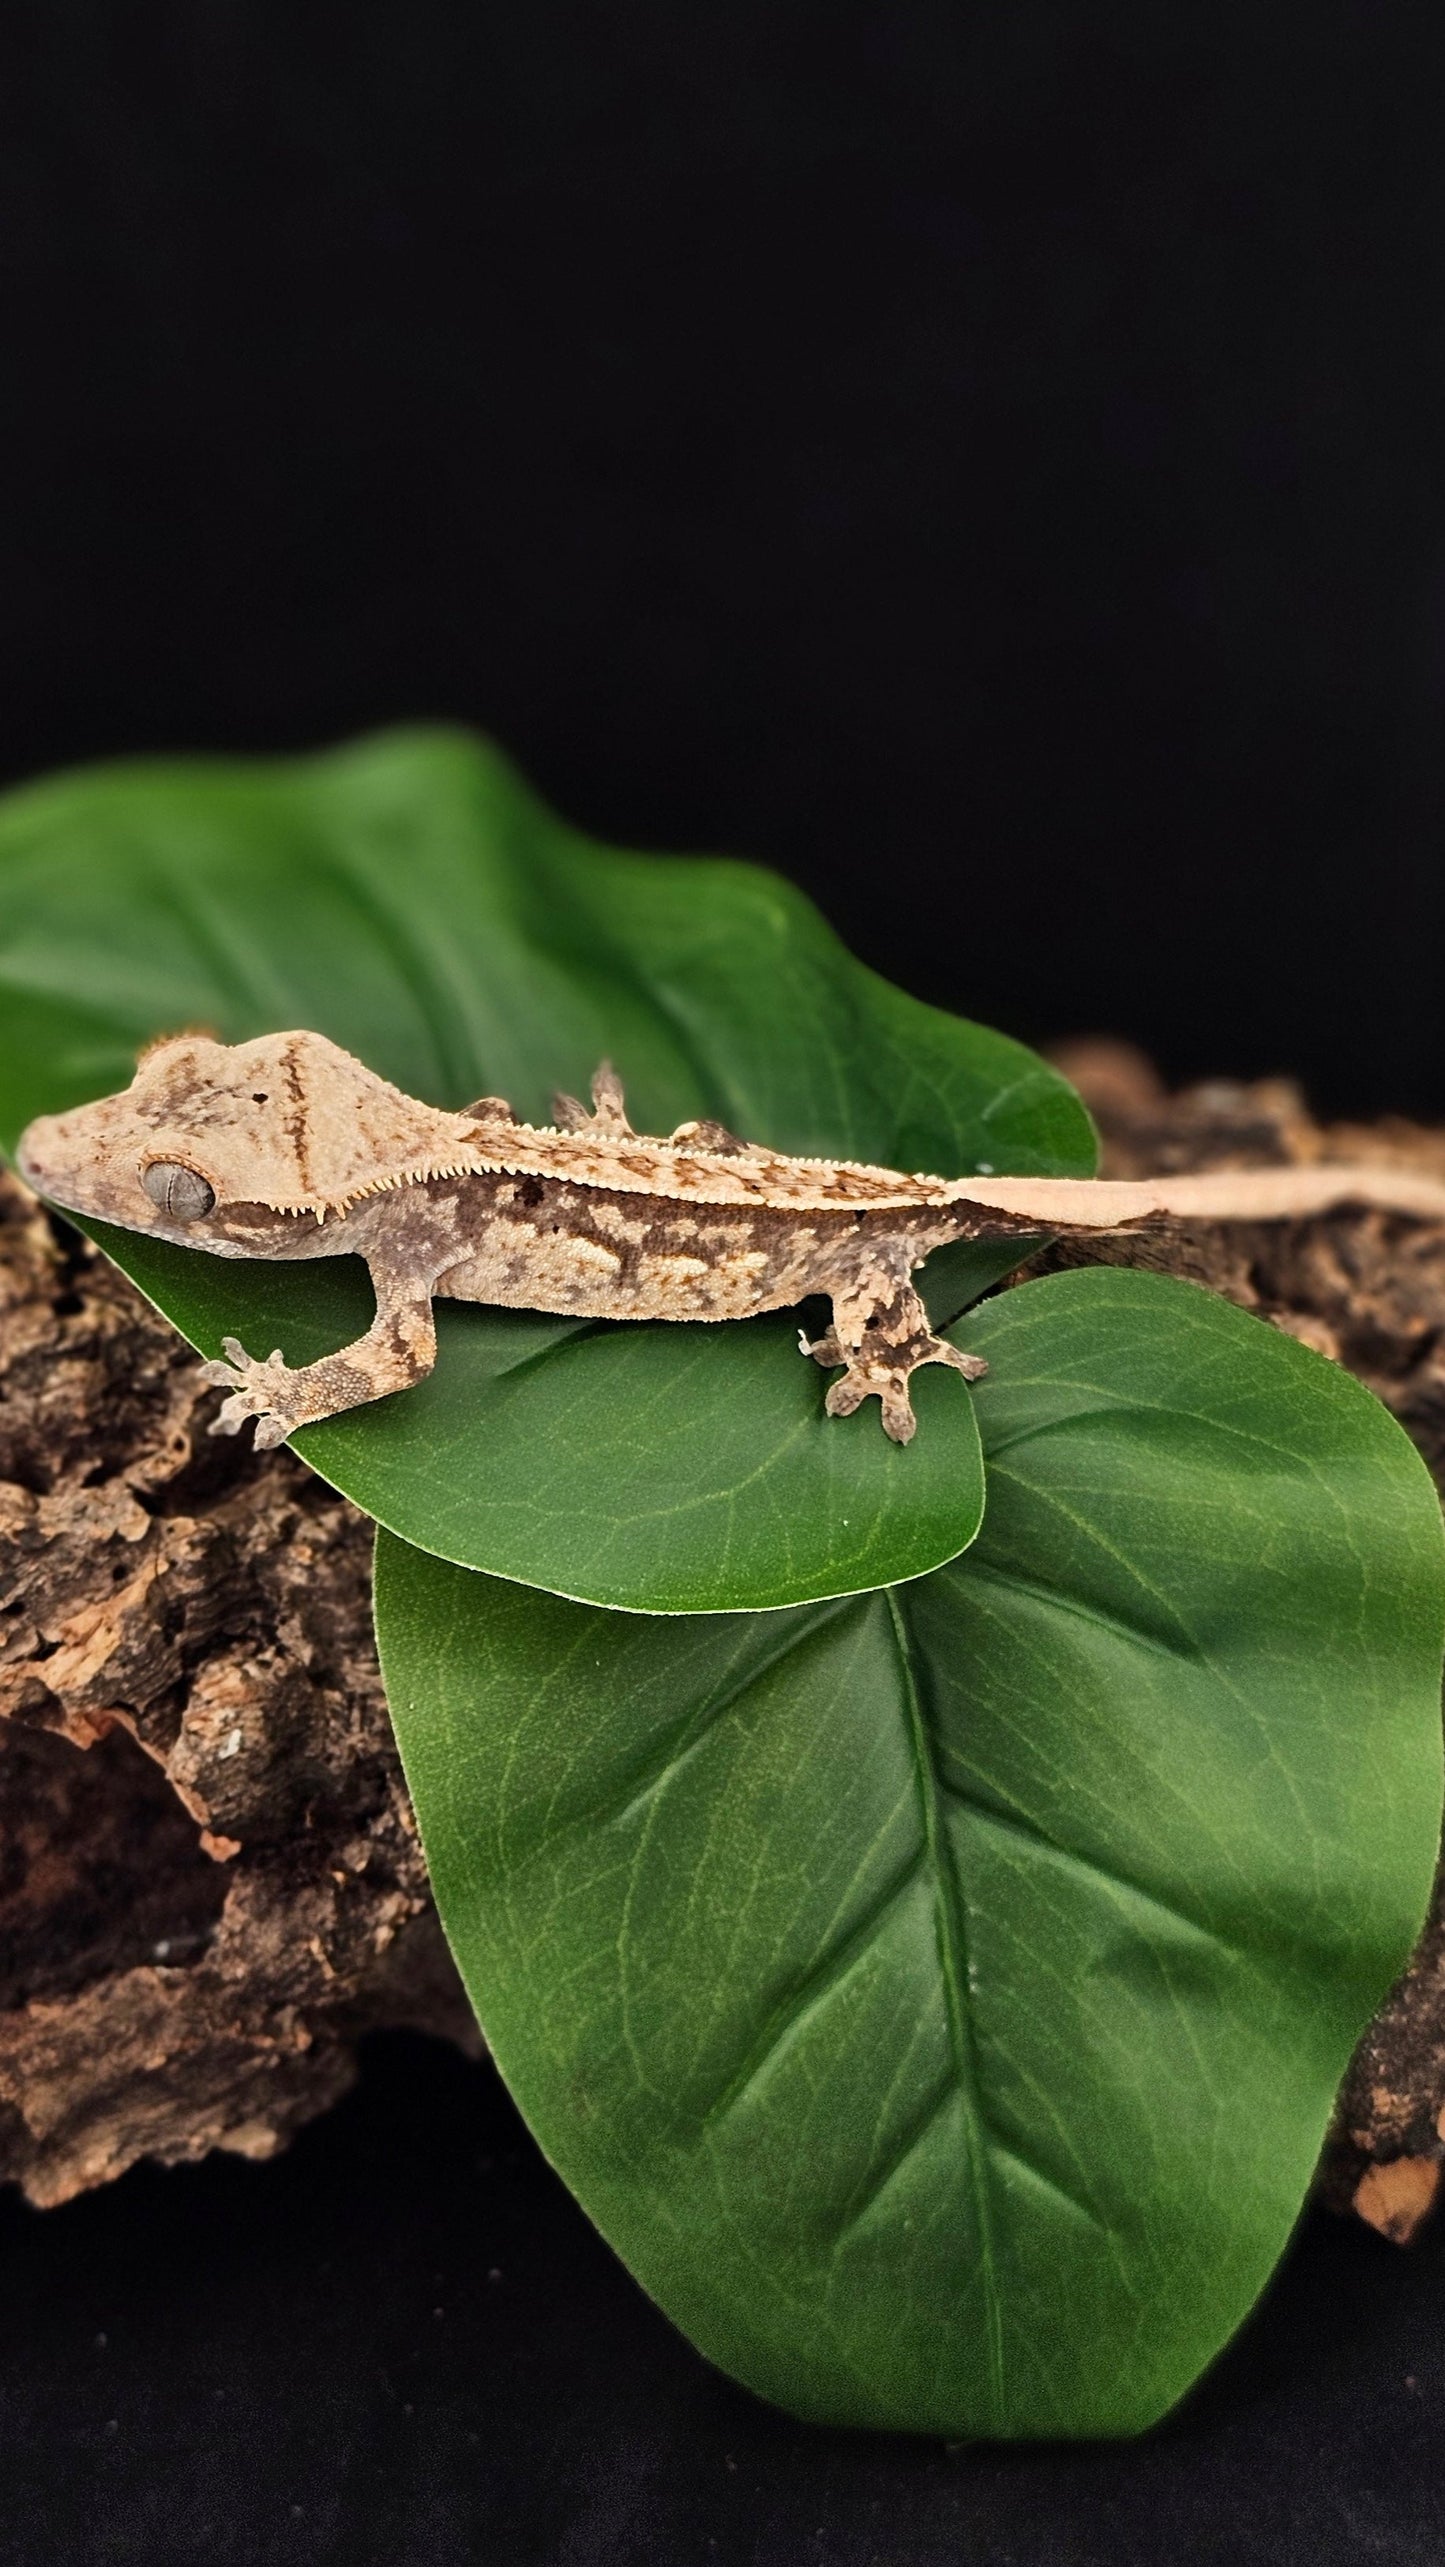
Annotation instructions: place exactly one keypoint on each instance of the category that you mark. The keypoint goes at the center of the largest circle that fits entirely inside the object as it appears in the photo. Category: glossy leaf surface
(410, 898)
(938, 1996)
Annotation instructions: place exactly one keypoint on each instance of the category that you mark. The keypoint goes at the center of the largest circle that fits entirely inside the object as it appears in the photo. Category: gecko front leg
(881, 1334)
(398, 1350)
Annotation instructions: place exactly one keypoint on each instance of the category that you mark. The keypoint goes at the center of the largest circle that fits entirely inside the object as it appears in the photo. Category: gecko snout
(57, 1156)
(31, 1157)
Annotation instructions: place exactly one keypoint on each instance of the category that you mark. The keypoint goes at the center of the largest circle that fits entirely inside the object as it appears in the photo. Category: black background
(984, 461)
(402, 2346)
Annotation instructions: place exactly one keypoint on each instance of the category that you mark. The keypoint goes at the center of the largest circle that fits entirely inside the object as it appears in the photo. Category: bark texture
(210, 1882)
(201, 1912)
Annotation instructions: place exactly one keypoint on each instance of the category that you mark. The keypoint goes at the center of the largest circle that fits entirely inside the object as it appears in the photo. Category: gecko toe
(899, 1423)
(846, 1395)
(890, 1389)
(257, 1389)
(825, 1350)
(972, 1367)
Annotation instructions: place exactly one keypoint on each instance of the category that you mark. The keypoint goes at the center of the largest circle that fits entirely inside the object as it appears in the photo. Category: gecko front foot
(880, 1359)
(265, 1391)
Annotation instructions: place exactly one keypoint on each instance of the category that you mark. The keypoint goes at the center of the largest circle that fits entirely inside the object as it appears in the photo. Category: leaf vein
(827, 1973)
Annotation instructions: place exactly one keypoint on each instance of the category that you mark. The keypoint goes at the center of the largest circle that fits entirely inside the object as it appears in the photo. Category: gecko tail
(1090, 1204)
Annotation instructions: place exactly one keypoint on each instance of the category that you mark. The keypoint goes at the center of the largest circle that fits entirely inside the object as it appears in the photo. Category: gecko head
(212, 1141)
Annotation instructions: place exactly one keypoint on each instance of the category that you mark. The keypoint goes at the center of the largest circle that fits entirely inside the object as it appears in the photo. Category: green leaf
(938, 1996)
(413, 900)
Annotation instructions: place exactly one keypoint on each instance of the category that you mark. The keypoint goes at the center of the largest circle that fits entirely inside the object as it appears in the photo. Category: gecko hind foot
(879, 1367)
(257, 1389)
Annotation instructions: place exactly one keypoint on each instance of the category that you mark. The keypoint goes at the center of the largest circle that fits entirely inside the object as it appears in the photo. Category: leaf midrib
(952, 1930)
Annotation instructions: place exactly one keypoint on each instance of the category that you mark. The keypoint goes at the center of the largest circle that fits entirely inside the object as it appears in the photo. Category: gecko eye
(178, 1192)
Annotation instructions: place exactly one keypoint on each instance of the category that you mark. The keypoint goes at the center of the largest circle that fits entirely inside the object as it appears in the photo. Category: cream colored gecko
(289, 1148)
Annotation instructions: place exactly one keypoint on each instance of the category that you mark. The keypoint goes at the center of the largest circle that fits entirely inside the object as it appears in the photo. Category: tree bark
(210, 1880)
(201, 1912)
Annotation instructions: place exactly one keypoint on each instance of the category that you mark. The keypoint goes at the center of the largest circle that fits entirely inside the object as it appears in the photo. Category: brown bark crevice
(210, 1880)
(201, 1914)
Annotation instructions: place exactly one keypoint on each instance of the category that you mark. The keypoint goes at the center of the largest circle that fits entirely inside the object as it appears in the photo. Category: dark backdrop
(983, 460)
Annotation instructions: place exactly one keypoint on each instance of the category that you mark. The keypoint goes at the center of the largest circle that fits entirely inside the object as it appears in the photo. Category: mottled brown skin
(288, 1148)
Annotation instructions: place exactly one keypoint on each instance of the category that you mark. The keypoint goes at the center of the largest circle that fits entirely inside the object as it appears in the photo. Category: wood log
(210, 1879)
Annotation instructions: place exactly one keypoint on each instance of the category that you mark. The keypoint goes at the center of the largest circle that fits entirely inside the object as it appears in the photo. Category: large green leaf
(410, 898)
(938, 1996)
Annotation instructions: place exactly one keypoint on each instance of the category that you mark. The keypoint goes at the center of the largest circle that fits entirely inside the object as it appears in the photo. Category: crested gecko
(287, 1147)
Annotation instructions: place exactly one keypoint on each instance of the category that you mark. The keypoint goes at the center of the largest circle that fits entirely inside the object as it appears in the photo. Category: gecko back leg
(881, 1334)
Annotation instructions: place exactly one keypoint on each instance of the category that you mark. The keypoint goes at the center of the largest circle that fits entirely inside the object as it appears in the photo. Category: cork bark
(210, 1880)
